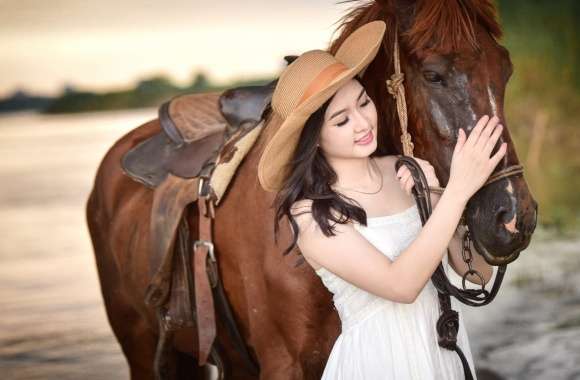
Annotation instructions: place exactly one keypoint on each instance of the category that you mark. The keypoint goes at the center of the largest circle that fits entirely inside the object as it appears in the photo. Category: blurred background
(76, 75)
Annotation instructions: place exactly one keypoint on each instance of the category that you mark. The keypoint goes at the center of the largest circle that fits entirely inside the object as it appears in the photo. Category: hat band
(322, 79)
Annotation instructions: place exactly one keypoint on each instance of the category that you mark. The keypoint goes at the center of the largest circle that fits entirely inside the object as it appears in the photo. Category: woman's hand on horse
(471, 164)
(406, 180)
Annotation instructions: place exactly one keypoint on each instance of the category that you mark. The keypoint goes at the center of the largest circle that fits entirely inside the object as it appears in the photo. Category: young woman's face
(350, 123)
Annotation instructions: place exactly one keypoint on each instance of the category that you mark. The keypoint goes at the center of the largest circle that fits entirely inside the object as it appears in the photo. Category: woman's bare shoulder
(301, 212)
(300, 206)
(304, 206)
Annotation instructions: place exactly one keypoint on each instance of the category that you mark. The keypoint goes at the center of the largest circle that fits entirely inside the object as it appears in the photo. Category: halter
(448, 322)
(395, 87)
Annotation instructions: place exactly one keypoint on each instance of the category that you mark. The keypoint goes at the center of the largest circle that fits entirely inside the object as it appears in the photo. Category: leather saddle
(193, 129)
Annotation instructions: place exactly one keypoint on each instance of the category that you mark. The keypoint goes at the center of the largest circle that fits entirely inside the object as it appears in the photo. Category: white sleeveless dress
(382, 339)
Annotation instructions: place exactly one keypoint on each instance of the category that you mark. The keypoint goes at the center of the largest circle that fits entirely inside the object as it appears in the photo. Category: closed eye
(366, 102)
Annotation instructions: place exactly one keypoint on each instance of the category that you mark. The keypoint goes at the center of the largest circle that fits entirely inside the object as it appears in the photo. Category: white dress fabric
(382, 339)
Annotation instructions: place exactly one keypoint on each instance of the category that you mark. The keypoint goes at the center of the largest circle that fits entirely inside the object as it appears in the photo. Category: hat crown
(296, 78)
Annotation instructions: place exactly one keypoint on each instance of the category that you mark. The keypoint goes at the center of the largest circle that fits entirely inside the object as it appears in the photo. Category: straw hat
(304, 86)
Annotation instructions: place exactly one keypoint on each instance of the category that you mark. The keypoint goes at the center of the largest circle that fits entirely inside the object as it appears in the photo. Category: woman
(354, 218)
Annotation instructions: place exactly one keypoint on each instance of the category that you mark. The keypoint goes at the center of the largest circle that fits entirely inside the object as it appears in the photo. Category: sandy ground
(532, 329)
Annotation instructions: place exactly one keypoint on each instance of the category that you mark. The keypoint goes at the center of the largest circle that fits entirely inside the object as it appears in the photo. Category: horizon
(109, 46)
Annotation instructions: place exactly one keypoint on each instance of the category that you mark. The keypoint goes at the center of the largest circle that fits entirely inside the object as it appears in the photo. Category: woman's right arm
(352, 257)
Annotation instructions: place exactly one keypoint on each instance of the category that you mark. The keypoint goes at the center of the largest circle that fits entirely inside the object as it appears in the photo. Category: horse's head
(455, 72)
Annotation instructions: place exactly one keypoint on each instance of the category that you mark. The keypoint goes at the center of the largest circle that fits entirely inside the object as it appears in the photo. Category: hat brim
(356, 52)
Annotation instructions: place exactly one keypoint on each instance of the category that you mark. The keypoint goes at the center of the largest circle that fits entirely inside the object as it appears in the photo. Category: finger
(432, 180)
(404, 178)
(424, 165)
(410, 182)
(460, 140)
(404, 173)
(476, 131)
(498, 155)
(421, 161)
(486, 133)
(429, 172)
(405, 182)
(491, 143)
(402, 170)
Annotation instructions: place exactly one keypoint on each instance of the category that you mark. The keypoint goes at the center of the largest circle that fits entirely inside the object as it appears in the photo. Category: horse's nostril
(508, 223)
(501, 219)
(514, 226)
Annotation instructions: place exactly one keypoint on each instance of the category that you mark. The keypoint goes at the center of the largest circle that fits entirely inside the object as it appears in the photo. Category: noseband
(448, 323)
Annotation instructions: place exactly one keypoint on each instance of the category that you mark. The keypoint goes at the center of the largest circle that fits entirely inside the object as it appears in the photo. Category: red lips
(365, 139)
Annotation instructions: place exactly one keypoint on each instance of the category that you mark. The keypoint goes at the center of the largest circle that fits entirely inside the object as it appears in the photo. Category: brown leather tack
(206, 325)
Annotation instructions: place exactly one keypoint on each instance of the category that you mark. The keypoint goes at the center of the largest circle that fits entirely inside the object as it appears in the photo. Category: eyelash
(346, 120)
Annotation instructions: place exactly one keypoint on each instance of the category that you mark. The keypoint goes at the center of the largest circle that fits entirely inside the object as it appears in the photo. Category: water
(54, 325)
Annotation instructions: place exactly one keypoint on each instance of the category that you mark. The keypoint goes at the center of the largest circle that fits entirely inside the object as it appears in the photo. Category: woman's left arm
(456, 260)
(454, 257)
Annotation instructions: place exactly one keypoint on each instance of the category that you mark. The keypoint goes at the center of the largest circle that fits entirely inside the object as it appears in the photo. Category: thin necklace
(364, 192)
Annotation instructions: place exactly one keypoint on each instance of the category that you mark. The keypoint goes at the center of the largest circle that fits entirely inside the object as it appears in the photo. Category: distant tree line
(148, 92)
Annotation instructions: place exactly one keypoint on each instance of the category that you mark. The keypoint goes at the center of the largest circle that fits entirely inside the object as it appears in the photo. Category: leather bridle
(448, 323)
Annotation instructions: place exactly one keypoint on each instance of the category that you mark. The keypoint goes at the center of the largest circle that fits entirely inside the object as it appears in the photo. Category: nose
(362, 123)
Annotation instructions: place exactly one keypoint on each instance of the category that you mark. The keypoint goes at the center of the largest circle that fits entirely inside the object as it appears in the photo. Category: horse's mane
(435, 26)
(439, 26)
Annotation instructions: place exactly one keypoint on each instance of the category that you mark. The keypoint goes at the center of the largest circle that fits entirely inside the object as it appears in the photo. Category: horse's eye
(432, 76)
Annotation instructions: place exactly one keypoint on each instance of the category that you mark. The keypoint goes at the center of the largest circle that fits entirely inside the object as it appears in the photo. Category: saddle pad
(230, 157)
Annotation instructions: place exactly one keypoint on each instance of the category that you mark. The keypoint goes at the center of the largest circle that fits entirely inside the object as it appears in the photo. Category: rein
(448, 322)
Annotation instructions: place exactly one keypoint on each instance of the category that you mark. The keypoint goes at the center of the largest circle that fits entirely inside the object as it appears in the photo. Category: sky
(111, 44)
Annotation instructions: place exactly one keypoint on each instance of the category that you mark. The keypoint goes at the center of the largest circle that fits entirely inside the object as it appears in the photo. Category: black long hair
(310, 178)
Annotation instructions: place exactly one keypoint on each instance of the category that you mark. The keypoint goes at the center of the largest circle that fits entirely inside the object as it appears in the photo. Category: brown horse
(455, 71)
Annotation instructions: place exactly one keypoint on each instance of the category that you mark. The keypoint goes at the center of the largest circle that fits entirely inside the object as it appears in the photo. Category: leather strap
(206, 324)
(447, 329)
(448, 322)
(169, 200)
(322, 80)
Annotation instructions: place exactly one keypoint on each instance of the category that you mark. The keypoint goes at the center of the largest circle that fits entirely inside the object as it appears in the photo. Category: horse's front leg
(302, 324)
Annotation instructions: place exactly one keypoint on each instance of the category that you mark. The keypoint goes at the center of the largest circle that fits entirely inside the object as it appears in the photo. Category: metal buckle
(208, 197)
(212, 267)
(200, 187)
(208, 244)
(476, 273)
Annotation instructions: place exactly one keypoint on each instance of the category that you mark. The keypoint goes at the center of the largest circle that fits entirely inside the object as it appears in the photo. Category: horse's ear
(290, 58)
